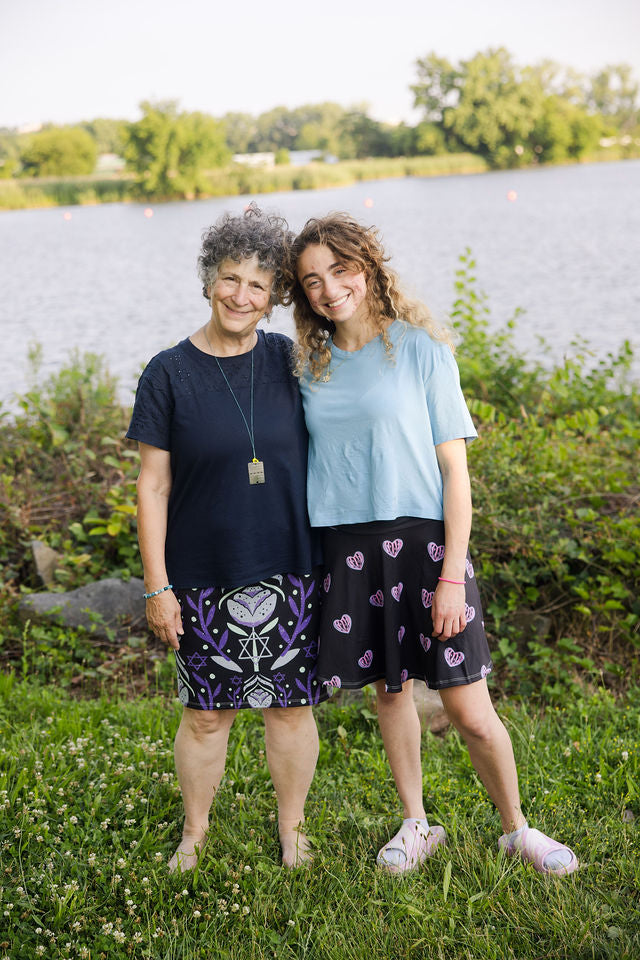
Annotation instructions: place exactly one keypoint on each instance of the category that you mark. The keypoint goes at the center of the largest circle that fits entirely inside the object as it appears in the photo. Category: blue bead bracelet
(147, 596)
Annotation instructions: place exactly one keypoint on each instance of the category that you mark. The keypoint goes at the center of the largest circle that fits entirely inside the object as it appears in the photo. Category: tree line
(486, 105)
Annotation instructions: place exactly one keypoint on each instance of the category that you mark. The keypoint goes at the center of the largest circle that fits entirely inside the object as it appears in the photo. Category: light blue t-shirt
(374, 426)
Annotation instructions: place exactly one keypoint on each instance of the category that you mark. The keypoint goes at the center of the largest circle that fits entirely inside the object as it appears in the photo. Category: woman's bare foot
(187, 853)
(296, 848)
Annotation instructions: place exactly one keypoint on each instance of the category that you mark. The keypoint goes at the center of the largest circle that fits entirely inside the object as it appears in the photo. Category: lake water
(110, 280)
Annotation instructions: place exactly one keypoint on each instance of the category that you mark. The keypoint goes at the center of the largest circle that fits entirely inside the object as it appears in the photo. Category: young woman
(388, 483)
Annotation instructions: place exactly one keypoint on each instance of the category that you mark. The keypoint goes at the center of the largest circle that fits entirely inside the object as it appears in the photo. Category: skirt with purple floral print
(250, 647)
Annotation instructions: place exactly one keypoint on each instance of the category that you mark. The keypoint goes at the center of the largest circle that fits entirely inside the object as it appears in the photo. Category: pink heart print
(396, 591)
(426, 642)
(356, 562)
(327, 583)
(427, 598)
(377, 599)
(343, 624)
(453, 657)
(469, 567)
(366, 659)
(400, 634)
(484, 671)
(392, 547)
(469, 613)
(334, 682)
(435, 551)
(404, 676)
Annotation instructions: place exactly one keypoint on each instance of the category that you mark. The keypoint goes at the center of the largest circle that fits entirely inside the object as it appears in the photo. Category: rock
(101, 607)
(429, 707)
(46, 561)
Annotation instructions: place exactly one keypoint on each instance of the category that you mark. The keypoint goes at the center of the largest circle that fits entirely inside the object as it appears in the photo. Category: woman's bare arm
(448, 610)
(154, 487)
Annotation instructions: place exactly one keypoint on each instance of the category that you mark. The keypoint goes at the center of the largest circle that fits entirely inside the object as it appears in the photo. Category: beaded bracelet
(147, 596)
(461, 583)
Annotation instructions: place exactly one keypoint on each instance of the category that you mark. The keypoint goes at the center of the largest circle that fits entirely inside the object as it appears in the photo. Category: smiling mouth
(339, 302)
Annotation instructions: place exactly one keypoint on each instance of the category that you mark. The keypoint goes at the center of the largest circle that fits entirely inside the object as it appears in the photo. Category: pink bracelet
(461, 583)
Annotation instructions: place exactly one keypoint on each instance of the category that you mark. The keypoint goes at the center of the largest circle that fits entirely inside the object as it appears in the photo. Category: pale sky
(69, 60)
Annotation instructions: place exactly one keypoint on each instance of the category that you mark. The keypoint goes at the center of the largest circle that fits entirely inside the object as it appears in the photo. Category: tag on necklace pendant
(256, 471)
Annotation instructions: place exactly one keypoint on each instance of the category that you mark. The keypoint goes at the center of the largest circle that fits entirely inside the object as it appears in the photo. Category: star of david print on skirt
(250, 647)
(375, 620)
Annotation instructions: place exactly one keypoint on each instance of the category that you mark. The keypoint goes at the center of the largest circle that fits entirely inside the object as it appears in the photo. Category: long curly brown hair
(360, 249)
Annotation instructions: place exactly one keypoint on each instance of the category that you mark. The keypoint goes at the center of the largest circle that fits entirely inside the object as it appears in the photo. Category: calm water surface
(112, 281)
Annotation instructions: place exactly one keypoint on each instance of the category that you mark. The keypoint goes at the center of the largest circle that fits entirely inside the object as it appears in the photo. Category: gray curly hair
(237, 238)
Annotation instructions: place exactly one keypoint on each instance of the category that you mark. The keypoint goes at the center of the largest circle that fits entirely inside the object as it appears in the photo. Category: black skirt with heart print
(375, 622)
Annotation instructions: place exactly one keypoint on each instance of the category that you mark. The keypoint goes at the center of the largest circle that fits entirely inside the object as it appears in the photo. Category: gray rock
(101, 607)
(429, 707)
(46, 560)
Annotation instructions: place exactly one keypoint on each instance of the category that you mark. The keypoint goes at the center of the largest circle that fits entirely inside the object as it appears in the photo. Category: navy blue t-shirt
(223, 531)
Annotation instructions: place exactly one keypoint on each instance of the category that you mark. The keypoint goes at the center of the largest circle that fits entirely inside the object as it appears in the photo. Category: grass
(90, 812)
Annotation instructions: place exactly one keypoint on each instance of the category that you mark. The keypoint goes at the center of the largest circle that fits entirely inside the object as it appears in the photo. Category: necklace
(255, 467)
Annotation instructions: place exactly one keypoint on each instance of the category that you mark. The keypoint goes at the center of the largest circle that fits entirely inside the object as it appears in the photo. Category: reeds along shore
(236, 180)
(239, 180)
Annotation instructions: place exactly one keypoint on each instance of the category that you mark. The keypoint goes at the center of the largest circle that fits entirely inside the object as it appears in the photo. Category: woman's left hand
(448, 610)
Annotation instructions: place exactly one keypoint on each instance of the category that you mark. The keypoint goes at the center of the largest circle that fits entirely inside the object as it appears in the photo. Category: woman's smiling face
(333, 289)
(239, 296)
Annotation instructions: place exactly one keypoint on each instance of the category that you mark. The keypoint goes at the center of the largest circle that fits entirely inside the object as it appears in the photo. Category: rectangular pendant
(256, 471)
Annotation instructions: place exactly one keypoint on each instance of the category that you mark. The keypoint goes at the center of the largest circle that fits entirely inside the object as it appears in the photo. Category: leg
(400, 729)
(401, 734)
(470, 710)
(200, 754)
(291, 741)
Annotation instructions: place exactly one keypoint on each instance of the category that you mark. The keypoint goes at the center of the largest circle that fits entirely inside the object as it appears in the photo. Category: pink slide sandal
(534, 847)
(413, 843)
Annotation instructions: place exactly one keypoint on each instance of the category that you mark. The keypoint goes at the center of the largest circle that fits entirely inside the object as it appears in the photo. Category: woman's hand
(448, 610)
(164, 618)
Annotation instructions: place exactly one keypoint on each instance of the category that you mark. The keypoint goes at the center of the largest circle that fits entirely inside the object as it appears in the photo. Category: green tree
(241, 131)
(361, 136)
(107, 133)
(58, 152)
(169, 151)
(9, 155)
(614, 93)
(564, 131)
(485, 104)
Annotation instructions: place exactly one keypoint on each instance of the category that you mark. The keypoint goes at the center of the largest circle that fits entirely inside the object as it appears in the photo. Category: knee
(288, 718)
(201, 724)
(480, 727)
(394, 701)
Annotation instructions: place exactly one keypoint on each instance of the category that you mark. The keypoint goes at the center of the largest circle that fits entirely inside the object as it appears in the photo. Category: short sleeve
(448, 412)
(153, 408)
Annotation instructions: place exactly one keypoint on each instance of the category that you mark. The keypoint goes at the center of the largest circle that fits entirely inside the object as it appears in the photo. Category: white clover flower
(247, 869)
(119, 936)
(625, 754)
(121, 862)
(196, 913)
(235, 907)
(185, 893)
(245, 910)
(73, 819)
(598, 776)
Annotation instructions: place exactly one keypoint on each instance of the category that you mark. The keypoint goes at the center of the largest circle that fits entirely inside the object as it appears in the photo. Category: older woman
(388, 482)
(224, 537)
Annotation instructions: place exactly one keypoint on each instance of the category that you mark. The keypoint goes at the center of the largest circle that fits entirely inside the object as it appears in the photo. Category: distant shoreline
(242, 181)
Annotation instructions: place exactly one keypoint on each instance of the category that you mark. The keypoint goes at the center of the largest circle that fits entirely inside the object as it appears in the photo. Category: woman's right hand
(164, 618)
